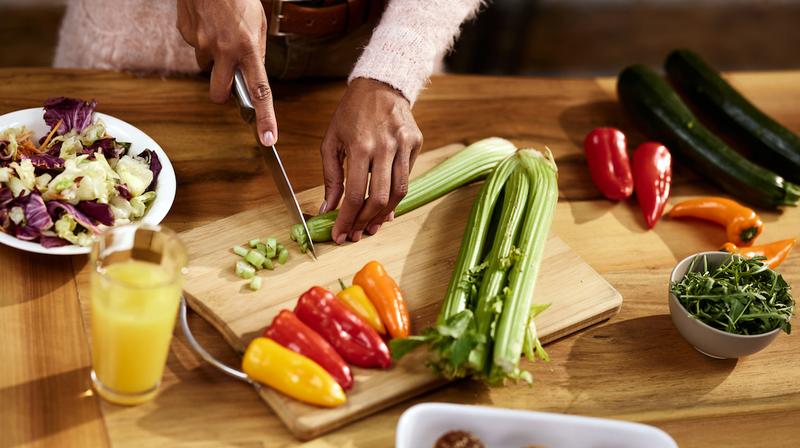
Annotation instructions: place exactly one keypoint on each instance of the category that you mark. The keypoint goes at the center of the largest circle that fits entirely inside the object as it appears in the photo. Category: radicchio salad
(66, 186)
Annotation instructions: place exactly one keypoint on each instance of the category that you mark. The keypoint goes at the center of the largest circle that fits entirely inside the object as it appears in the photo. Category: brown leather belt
(319, 18)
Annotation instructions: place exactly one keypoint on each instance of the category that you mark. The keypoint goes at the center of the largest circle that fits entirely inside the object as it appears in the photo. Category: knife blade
(273, 160)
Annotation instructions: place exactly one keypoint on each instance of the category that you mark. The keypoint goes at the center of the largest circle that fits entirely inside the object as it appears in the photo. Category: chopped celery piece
(255, 283)
(263, 249)
(280, 247)
(268, 264)
(240, 251)
(244, 270)
(254, 242)
(255, 258)
(283, 255)
(272, 246)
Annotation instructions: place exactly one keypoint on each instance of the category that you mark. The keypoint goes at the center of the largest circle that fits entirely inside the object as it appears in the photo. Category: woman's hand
(231, 34)
(374, 130)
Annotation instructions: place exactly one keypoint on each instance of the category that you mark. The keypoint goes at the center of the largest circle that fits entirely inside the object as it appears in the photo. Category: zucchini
(662, 115)
(713, 96)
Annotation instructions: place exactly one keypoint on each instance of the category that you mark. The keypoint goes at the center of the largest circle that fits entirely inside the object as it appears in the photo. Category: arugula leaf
(741, 296)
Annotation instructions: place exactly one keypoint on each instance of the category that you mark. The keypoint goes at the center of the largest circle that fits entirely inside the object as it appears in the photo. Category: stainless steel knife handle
(242, 95)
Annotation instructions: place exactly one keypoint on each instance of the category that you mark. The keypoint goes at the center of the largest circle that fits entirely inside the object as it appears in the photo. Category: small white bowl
(422, 425)
(122, 131)
(705, 338)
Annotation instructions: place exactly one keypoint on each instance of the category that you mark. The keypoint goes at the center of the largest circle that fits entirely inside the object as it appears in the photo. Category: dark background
(540, 37)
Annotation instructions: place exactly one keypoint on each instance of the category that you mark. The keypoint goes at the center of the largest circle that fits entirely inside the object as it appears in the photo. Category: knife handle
(243, 97)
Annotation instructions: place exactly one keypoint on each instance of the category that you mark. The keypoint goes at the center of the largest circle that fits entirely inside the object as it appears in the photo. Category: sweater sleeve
(411, 35)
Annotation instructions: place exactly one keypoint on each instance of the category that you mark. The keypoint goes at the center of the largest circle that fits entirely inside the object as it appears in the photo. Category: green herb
(741, 296)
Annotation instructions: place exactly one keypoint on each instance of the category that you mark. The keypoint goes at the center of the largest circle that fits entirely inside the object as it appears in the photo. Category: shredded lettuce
(65, 228)
(135, 173)
(17, 215)
(93, 133)
(25, 173)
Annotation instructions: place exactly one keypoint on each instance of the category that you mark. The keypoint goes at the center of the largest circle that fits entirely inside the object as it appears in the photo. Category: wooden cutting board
(418, 249)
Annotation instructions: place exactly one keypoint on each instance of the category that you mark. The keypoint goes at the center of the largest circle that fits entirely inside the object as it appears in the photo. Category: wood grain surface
(418, 249)
(634, 367)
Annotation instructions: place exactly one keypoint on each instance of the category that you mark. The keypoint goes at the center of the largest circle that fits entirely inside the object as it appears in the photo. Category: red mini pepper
(607, 156)
(652, 175)
(286, 329)
(357, 342)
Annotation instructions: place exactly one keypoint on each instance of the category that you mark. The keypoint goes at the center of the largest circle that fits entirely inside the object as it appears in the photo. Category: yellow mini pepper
(356, 300)
(299, 377)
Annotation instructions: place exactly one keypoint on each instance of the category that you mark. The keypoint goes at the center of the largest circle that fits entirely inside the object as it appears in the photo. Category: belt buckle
(274, 25)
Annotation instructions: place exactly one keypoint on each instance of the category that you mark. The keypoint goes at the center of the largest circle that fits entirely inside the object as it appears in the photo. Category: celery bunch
(487, 318)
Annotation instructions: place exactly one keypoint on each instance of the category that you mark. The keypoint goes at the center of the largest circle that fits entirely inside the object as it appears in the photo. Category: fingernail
(391, 216)
(373, 229)
(269, 139)
(340, 238)
(323, 207)
(357, 235)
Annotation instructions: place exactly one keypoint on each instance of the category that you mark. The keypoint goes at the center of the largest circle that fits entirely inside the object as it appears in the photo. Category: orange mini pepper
(299, 377)
(356, 299)
(384, 293)
(742, 224)
(775, 252)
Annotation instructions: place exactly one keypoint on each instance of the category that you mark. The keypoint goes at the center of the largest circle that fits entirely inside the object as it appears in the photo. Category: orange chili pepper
(384, 293)
(742, 224)
(775, 252)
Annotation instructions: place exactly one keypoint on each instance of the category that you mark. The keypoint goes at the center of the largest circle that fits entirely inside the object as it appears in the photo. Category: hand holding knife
(272, 158)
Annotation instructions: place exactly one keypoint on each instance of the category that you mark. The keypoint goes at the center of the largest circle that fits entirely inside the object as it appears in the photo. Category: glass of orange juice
(136, 283)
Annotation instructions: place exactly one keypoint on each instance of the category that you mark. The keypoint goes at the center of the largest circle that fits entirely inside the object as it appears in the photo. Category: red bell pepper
(286, 329)
(652, 174)
(607, 156)
(357, 342)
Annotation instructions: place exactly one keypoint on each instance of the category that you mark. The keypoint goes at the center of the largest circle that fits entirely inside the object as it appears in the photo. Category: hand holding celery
(471, 164)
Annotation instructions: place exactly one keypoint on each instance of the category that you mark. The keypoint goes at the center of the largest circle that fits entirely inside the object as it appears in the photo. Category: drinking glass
(137, 276)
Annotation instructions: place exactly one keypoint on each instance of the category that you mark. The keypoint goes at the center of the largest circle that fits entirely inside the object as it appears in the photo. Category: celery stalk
(511, 329)
(471, 164)
(461, 284)
(499, 260)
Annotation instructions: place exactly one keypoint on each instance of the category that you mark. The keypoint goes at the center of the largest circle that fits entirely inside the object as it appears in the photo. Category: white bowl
(703, 337)
(422, 424)
(122, 131)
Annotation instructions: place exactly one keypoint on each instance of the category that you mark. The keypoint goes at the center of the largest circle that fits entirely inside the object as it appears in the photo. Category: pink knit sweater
(140, 36)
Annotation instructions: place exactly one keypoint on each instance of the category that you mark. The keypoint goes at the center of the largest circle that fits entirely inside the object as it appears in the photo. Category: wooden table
(633, 367)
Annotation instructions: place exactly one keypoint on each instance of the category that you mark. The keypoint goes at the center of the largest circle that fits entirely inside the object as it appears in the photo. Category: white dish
(122, 131)
(421, 425)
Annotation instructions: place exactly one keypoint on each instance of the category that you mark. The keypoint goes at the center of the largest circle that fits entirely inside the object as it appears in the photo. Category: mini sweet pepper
(286, 329)
(384, 293)
(357, 342)
(269, 363)
(742, 224)
(356, 299)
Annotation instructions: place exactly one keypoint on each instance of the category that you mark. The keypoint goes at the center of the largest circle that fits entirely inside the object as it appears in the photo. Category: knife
(272, 158)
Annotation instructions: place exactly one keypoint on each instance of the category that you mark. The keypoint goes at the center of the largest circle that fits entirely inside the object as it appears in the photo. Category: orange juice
(134, 305)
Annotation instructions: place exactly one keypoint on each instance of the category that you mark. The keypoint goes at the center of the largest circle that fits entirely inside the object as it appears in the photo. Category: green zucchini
(662, 115)
(713, 96)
